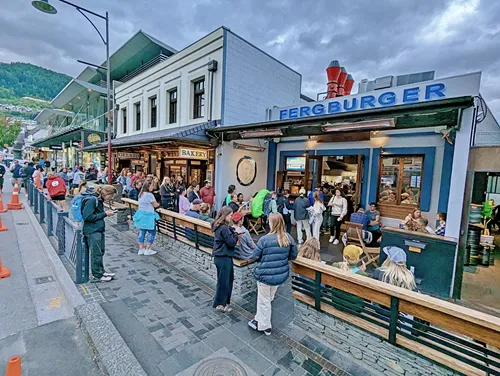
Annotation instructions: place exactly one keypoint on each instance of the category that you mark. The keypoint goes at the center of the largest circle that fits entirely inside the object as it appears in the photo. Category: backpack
(267, 205)
(281, 205)
(76, 208)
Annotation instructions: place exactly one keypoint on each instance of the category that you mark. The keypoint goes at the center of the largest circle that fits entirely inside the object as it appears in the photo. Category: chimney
(333, 72)
(349, 82)
(341, 81)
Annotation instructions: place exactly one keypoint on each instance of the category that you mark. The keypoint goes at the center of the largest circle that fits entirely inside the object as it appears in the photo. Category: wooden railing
(189, 230)
(459, 338)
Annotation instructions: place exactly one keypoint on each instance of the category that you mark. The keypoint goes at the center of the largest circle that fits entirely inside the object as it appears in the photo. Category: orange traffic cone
(2, 209)
(14, 367)
(4, 271)
(14, 203)
(2, 227)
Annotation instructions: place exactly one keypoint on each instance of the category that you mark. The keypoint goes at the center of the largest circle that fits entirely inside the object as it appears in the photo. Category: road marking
(85, 290)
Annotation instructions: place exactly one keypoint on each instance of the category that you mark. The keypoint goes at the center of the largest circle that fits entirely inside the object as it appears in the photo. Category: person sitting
(374, 226)
(352, 254)
(233, 204)
(441, 229)
(244, 248)
(394, 271)
(194, 211)
(205, 213)
(311, 250)
(415, 222)
(361, 218)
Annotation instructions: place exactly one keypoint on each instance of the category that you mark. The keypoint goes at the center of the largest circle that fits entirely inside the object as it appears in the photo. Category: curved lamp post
(45, 7)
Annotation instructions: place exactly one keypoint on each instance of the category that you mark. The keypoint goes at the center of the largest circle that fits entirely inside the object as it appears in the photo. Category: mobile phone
(114, 210)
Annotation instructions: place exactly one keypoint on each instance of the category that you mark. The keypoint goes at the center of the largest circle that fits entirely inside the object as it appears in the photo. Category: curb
(113, 355)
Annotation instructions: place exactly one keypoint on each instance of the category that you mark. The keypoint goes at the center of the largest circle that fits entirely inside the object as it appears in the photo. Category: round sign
(246, 171)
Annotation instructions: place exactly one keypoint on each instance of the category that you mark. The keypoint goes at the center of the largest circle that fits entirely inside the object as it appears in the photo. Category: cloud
(371, 39)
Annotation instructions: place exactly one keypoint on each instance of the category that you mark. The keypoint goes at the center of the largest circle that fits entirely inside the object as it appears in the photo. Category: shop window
(172, 106)
(137, 108)
(199, 98)
(124, 120)
(400, 180)
(152, 111)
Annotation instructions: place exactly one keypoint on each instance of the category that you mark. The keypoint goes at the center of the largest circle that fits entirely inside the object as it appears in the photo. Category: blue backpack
(76, 208)
(267, 205)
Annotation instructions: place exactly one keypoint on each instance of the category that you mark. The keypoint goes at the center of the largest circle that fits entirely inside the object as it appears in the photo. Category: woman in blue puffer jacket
(272, 254)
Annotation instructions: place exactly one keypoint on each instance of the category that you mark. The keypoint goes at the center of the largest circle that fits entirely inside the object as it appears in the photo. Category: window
(124, 120)
(152, 111)
(199, 98)
(400, 181)
(137, 108)
(172, 106)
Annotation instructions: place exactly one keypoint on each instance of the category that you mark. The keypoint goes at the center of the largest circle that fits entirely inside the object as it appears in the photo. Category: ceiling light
(362, 125)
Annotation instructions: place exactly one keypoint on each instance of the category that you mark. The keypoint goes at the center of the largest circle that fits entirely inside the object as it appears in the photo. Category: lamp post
(44, 6)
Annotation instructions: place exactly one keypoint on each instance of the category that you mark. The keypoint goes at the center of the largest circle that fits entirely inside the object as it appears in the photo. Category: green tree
(9, 130)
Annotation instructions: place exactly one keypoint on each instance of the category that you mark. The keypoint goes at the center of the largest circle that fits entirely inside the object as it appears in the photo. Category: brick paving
(163, 309)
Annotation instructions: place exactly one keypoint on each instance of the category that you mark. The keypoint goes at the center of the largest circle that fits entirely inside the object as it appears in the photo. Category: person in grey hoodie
(301, 215)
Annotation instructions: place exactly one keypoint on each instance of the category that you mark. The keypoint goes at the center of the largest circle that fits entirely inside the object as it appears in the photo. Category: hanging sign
(193, 153)
(122, 155)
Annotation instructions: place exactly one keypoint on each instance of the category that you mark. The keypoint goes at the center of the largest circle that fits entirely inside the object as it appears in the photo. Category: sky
(370, 38)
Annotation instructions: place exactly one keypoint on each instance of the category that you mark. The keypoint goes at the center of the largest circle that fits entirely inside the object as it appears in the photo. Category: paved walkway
(163, 310)
(36, 321)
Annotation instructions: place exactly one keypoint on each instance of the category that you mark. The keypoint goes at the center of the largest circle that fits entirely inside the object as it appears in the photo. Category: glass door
(314, 169)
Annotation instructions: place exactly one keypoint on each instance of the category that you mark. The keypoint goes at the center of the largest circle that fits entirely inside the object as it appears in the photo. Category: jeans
(303, 223)
(265, 296)
(318, 221)
(225, 278)
(94, 242)
(335, 226)
(326, 218)
(142, 236)
(288, 222)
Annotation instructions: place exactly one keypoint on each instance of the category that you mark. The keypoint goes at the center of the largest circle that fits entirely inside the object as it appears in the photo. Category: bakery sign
(193, 153)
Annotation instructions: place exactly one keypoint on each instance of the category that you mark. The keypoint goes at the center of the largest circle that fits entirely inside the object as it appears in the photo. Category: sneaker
(267, 332)
(336, 242)
(102, 279)
(253, 324)
(149, 252)
(141, 252)
(109, 274)
(331, 239)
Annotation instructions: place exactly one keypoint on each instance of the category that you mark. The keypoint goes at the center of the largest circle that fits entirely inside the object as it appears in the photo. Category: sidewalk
(164, 313)
(36, 321)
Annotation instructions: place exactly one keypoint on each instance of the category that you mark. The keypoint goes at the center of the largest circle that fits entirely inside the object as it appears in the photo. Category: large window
(137, 108)
(172, 106)
(400, 181)
(124, 120)
(152, 111)
(199, 98)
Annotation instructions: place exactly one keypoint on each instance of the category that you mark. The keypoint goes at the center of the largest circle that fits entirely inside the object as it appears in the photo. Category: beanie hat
(237, 217)
(352, 252)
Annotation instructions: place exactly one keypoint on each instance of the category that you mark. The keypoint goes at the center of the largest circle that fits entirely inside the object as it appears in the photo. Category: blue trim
(272, 152)
(429, 159)
(224, 57)
(444, 189)
(292, 141)
(411, 134)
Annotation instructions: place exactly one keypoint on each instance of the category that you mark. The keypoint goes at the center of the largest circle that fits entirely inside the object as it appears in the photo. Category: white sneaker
(336, 242)
(331, 239)
(141, 252)
(149, 252)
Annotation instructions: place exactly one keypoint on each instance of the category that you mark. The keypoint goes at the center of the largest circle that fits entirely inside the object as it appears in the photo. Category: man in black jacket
(27, 173)
(2, 176)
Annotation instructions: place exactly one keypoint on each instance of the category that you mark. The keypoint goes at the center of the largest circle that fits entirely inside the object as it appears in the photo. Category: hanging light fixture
(44, 6)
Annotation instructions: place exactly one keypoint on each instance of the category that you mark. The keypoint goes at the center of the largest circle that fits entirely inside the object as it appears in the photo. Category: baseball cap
(395, 254)
(237, 217)
(302, 191)
(352, 252)
(197, 201)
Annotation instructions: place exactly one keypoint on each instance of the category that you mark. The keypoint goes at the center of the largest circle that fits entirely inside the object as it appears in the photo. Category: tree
(9, 130)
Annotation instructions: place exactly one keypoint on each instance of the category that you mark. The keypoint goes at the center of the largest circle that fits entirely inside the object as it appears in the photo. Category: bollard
(14, 367)
(4, 271)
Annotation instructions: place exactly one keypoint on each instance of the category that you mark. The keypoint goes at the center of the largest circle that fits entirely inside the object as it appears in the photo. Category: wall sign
(451, 87)
(246, 171)
(94, 138)
(193, 153)
(122, 155)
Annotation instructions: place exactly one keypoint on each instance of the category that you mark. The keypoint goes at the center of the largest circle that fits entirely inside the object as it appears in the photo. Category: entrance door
(197, 171)
(359, 181)
(314, 172)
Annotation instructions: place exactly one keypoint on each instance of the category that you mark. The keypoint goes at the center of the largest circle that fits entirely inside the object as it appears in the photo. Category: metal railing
(62, 230)
(151, 63)
(462, 339)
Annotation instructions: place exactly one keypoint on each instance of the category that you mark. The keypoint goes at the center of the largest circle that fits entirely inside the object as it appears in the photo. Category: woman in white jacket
(339, 209)
(318, 209)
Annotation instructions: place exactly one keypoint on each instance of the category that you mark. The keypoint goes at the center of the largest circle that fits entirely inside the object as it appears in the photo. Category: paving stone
(271, 347)
(253, 359)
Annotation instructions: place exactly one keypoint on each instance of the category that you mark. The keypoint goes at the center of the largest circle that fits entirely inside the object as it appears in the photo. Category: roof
(73, 89)
(306, 98)
(47, 113)
(195, 132)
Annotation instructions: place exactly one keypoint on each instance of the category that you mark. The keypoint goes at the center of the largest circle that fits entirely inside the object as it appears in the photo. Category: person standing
(56, 186)
(318, 209)
(78, 177)
(71, 176)
(27, 175)
(327, 196)
(339, 209)
(195, 192)
(184, 205)
(167, 193)
(16, 172)
(2, 177)
(93, 215)
(225, 240)
(134, 193)
(145, 219)
(272, 253)
(284, 208)
(207, 193)
(301, 215)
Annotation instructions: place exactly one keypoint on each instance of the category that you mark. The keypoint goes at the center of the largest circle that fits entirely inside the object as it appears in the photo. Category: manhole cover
(219, 367)
(42, 280)
(22, 223)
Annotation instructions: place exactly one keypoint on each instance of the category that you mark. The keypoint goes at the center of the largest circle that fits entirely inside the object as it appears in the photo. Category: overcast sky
(370, 38)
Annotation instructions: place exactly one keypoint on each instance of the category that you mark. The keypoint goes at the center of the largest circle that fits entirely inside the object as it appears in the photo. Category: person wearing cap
(394, 270)
(194, 211)
(184, 204)
(207, 193)
(301, 215)
(351, 254)
(244, 248)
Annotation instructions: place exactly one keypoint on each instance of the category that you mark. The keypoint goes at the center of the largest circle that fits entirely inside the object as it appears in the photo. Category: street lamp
(44, 6)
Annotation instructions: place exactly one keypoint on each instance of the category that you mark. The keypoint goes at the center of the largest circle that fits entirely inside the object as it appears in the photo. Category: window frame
(399, 183)
(198, 99)
(153, 105)
(172, 103)
(137, 116)
(124, 120)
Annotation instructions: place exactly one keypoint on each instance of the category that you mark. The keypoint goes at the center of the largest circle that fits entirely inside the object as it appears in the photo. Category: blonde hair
(397, 274)
(317, 197)
(277, 226)
(204, 208)
(310, 249)
(105, 189)
(50, 173)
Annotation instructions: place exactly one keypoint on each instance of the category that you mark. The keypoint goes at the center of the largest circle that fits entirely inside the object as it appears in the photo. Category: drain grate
(220, 367)
(43, 280)
(22, 223)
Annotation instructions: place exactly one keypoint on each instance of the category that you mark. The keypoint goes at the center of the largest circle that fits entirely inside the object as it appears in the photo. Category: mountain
(19, 80)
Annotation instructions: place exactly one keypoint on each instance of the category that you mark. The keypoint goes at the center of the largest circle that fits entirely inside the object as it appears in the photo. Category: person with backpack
(269, 207)
(284, 208)
(302, 215)
(76, 202)
(16, 172)
(93, 214)
(56, 186)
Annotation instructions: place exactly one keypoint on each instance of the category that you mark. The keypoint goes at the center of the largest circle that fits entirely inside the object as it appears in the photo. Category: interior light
(361, 125)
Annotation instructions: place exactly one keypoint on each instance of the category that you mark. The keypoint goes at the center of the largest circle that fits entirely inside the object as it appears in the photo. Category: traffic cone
(2, 209)
(14, 203)
(4, 271)
(14, 367)
(2, 227)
